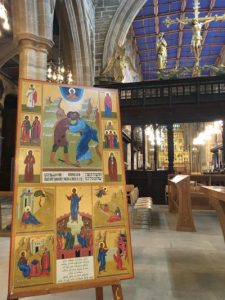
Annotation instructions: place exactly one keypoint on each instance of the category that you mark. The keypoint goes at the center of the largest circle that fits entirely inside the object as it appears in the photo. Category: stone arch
(120, 25)
(75, 40)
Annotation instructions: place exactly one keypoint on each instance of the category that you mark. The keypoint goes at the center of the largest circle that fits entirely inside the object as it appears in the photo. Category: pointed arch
(120, 25)
(75, 40)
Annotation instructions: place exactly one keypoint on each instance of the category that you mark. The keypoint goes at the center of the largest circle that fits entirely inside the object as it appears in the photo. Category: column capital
(32, 41)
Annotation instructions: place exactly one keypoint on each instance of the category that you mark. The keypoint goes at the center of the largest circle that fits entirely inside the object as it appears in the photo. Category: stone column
(33, 52)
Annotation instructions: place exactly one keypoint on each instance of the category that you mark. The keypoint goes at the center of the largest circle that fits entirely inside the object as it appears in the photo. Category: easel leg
(99, 293)
(117, 292)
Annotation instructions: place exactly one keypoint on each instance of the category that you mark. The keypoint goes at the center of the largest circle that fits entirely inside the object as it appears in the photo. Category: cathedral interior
(166, 58)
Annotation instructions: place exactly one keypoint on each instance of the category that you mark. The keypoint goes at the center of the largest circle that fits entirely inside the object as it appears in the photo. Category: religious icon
(74, 204)
(34, 209)
(112, 167)
(108, 106)
(29, 168)
(73, 126)
(74, 231)
(31, 97)
(102, 252)
(33, 258)
(28, 217)
(108, 206)
(25, 130)
(36, 131)
(111, 252)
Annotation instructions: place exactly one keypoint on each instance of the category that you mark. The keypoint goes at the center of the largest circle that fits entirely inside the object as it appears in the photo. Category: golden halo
(101, 243)
(23, 251)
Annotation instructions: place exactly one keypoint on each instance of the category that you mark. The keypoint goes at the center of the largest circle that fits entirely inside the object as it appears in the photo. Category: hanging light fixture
(58, 73)
(4, 18)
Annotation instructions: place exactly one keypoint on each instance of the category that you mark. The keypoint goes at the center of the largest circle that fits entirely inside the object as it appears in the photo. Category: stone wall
(104, 13)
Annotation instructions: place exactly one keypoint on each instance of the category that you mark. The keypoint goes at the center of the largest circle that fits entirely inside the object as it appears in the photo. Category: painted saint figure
(108, 106)
(25, 130)
(115, 140)
(111, 139)
(74, 204)
(31, 97)
(45, 262)
(118, 259)
(29, 169)
(102, 252)
(112, 167)
(36, 131)
(87, 134)
(60, 139)
(23, 265)
(28, 217)
(106, 139)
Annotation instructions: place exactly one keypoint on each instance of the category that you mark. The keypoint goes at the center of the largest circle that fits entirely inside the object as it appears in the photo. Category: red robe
(29, 169)
(45, 263)
(112, 167)
(25, 131)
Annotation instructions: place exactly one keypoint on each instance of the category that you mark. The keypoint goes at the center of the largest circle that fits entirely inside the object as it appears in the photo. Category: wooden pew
(5, 199)
(129, 188)
(217, 200)
(180, 202)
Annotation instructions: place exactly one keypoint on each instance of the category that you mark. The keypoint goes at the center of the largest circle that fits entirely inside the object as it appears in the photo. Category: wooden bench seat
(142, 207)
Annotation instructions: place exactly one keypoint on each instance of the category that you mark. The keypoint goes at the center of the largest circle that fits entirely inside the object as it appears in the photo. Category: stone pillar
(170, 142)
(33, 53)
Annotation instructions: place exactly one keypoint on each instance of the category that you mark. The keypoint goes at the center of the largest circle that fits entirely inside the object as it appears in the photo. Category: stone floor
(168, 264)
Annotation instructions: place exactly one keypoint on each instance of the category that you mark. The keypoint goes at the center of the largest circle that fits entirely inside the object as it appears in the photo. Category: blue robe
(101, 259)
(29, 218)
(24, 267)
(86, 135)
(74, 206)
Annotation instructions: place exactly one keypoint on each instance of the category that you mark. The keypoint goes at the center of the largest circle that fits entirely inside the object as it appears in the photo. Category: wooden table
(180, 201)
(216, 195)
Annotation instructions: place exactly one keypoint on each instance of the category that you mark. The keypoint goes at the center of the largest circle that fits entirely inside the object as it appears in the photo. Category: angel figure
(101, 191)
(121, 65)
(161, 51)
(218, 70)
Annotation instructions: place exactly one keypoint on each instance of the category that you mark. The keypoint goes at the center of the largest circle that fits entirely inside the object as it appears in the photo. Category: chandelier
(57, 73)
(4, 18)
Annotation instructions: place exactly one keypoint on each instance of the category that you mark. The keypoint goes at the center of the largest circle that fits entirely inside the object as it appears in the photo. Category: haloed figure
(87, 134)
(29, 169)
(74, 204)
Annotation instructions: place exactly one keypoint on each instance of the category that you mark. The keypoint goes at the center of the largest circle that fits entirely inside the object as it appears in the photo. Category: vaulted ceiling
(150, 21)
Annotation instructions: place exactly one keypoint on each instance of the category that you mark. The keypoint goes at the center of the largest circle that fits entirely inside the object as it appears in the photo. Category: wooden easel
(116, 289)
